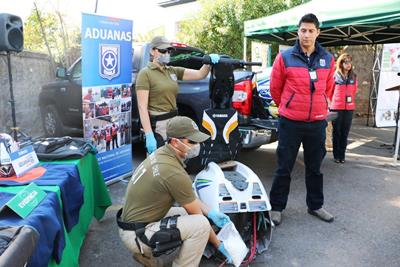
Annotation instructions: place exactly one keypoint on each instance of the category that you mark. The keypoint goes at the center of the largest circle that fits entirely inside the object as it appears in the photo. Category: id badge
(348, 99)
(173, 77)
(313, 75)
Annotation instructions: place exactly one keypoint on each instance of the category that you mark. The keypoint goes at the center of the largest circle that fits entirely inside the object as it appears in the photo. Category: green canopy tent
(343, 22)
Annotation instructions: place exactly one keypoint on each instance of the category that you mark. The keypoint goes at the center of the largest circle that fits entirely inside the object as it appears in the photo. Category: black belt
(129, 226)
(162, 241)
(164, 116)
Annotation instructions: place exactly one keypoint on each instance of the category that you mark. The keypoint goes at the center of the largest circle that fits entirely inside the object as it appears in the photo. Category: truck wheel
(52, 124)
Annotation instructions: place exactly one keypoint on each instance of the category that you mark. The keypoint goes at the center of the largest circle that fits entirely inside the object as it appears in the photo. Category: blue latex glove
(151, 143)
(222, 249)
(214, 58)
(218, 218)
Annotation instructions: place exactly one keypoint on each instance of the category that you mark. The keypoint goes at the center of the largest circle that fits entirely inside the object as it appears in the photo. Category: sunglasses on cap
(163, 51)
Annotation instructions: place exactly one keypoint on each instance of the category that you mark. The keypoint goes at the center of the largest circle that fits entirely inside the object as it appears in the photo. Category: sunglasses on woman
(191, 142)
(163, 51)
(346, 62)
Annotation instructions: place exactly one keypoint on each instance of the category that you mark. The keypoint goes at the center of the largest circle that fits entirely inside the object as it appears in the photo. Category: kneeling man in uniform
(147, 228)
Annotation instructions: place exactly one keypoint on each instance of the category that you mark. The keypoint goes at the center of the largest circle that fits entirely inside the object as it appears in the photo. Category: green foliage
(219, 27)
(34, 37)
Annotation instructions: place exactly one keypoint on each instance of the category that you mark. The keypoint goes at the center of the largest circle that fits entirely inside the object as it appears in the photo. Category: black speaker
(11, 33)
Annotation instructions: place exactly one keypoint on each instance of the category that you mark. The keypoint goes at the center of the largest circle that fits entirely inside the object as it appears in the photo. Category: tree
(219, 27)
(44, 35)
(47, 32)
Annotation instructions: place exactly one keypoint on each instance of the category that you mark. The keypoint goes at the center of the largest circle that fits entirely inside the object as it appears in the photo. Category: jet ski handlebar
(236, 63)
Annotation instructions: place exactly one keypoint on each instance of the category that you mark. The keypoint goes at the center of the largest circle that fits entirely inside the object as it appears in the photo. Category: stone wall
(30, 71)
(363, 60)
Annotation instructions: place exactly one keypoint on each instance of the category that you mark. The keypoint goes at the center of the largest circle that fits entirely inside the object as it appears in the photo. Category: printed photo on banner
(105, 100)
(109, 132)
(88, 109)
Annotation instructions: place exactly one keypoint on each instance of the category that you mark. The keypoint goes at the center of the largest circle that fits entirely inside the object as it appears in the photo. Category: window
(76, 72)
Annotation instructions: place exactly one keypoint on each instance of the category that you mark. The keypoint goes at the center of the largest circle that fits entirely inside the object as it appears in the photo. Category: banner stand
(107, 92)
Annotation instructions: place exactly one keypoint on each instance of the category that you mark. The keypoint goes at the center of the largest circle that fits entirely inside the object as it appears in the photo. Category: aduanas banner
(106, 91)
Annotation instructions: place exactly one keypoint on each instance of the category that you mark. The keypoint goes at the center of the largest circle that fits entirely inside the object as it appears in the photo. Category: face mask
(193, 151)
(164, 59)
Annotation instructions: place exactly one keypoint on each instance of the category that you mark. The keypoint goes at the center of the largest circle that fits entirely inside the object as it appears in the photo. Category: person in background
(89, 95)
(328, 139)
(301, 83)
(114, 136)
(151, 195)
(157, 89)
(108, 138)
(343, 103)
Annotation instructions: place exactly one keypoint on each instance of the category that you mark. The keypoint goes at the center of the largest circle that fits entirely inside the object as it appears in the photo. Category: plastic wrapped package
(233, 243)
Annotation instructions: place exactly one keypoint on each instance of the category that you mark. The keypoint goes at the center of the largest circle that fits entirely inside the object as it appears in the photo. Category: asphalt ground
(363, 194)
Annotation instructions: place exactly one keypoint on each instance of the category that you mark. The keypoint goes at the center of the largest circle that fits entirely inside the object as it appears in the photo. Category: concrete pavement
(363, 194)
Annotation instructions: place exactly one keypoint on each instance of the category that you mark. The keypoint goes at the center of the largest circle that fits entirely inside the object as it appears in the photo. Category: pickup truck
(61, 101)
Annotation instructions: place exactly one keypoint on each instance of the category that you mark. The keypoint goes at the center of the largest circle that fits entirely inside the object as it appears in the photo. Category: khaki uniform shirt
(155, 185)
(162, 86)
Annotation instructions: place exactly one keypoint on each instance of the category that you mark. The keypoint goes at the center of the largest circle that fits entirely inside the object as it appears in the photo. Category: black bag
(62, 148)
(166, 240)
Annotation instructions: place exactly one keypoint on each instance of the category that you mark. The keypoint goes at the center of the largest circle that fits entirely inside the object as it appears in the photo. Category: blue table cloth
(66, 177)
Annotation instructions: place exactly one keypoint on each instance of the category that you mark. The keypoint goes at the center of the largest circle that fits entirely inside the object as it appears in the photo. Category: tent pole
(397, 135)
(373, 93)
(245, 48)
(371, 87)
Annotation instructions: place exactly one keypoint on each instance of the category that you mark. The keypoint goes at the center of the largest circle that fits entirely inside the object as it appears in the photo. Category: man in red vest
(301, 84)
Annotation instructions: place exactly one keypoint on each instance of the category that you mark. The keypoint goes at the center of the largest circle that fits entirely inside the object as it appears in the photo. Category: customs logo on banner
(109, 61)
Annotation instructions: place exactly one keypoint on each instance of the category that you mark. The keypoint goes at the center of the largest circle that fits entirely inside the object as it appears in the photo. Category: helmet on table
(7, 146)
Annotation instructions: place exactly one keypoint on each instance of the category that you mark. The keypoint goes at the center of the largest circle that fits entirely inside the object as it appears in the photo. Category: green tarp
(343, 22)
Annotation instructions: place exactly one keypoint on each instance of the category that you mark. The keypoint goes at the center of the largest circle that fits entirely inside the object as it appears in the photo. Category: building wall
(29, 72)
(363, 61)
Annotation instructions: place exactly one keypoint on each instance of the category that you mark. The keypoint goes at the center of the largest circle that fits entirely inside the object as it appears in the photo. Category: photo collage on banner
(386, 107)
(106, 91)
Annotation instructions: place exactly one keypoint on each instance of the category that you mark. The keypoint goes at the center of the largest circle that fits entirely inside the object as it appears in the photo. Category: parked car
(61, 101)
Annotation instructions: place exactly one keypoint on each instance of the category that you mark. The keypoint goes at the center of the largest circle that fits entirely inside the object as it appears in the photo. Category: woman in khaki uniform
(157, 89)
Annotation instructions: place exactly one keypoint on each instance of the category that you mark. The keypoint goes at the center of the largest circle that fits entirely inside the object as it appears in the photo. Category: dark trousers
(291, 134)
(341, 128)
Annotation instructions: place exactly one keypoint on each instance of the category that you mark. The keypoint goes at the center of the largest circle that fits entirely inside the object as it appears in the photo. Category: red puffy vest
(291, 86)
(344, 93)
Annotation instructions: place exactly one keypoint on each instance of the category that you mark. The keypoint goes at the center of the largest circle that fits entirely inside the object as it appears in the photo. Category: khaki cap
(184, 127)
(160, 42)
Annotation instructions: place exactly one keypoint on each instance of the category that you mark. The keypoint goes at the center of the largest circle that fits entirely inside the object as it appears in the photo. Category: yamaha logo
(109, 61)
(220, 115)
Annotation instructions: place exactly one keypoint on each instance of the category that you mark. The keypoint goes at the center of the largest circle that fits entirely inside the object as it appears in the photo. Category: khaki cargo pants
(195, 231)
(161, 126)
